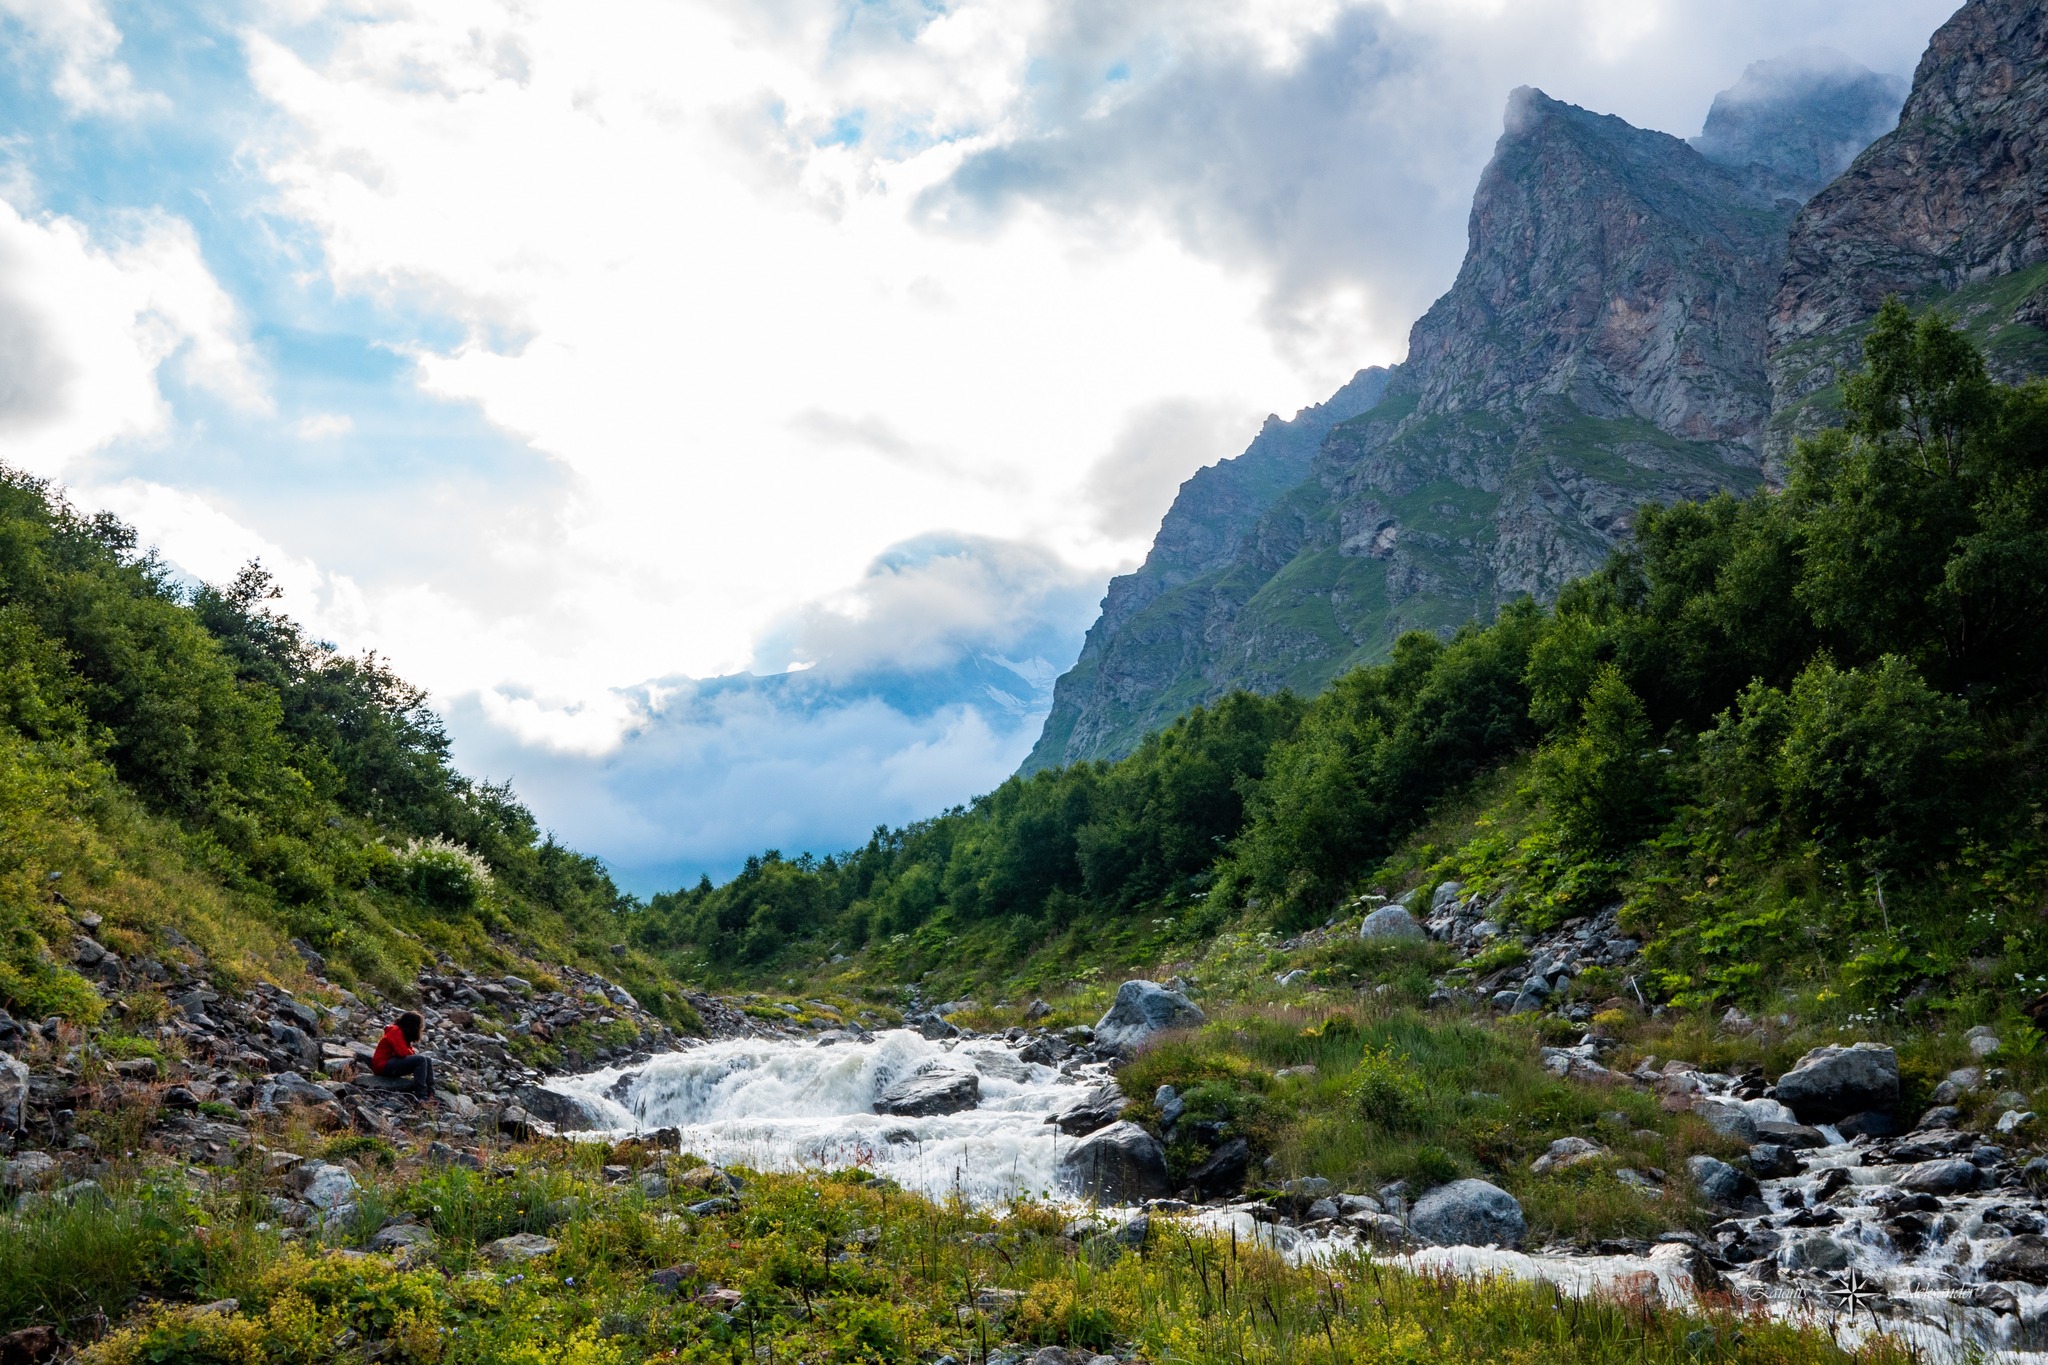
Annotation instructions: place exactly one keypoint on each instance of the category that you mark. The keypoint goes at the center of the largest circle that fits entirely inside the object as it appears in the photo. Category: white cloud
(87, 324)
(83, 44)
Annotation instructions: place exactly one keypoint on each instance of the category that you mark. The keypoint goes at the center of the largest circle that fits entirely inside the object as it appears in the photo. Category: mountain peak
(1801, 117)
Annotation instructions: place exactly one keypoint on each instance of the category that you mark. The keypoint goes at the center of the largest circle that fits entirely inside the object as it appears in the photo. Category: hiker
(395, 1058)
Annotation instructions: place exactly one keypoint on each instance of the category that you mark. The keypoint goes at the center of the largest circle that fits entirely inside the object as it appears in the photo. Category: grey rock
(401, 1237)
(564, 1112)
(942, 1090)
(14, 1079)
(1729, 1120)
(1834, 1082)
(2023, 1258)
(1468, 1213)
(1098, 1108)
(324, 1185)
(1168, 1102)
(28, 1171)
(1224, 1170)
(1951, 1176)
(1816, 1251)
(1719, 1182)
(1141, 1010)
(1120, 1164)
(520, 1246)
(1773, 1161)
(1391, 922)
(1445, 893)
(1797, 1135)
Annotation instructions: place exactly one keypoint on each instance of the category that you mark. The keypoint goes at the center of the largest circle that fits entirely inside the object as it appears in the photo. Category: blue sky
(732, 409)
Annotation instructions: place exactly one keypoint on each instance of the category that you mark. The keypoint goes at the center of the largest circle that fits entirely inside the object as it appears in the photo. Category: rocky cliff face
(1950, 209)
(1603, 345)
(1801, 119)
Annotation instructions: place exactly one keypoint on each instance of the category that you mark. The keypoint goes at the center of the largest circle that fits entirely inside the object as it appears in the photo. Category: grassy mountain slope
(183, 765)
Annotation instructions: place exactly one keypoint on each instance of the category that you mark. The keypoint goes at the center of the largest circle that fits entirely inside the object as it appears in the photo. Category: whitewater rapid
(775, 1104)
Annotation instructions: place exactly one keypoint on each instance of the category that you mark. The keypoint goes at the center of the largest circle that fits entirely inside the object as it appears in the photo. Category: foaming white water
(780, 1105)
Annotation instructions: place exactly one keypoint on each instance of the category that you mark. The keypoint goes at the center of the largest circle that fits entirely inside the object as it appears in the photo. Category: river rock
(1468, 1213)
(1951, 1176)
(942, 1090)
(568, 1115)
(1719, 1182)
(1096, 1109)
(1817, 1251)
(1223, 1173)
(1797, 1135)
(1871, 1123)
(2024, 1257)
(1833, 1082)
(1142, 1009)
(1120, 1164)
(1773, 1161)
(1391, 922)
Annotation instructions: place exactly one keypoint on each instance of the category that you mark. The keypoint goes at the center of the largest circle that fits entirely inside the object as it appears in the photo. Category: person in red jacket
(397, 1059)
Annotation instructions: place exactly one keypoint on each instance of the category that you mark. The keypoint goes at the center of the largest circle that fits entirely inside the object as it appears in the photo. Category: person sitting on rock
(395, 1058)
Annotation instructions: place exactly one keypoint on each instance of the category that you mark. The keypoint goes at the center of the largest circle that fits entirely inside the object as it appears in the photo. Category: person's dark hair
(410, 1025)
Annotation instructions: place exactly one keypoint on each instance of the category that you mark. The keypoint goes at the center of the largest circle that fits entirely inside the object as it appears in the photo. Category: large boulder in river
(942, 1090)
(1142, 1009)
(1832, 1082)
(1120, 1164)
(1468, 1213)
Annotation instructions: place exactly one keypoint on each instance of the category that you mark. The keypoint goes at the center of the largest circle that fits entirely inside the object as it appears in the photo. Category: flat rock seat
(371, 1081)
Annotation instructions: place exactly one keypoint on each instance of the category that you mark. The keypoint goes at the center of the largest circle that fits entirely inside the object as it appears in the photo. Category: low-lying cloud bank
(924, 683)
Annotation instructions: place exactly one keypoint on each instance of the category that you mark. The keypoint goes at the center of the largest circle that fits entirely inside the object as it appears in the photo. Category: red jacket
(390, 1048)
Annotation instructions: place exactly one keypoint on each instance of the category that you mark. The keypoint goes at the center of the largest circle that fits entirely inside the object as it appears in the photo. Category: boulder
(1773, 1161)
(1871, 1123)
(1391, 922)
(567, 1114)
(28, 1171)
(1468, 1213)
(1952, 1175)
(1223, 1173)
(1444, 895)
(1142, 1009)
(1791, 1135)
(1817, 1251)
(401, 1237)
(1168, 1102)
(1567, 1152)
(1120, 1164)
(1727, 1119)
(1719, 1182)
(2024, 1258)
(942, 1090)
(323, 1185)
(1097, 1109)
(1832, 1082)
(520, 1246)
(13, 1095)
